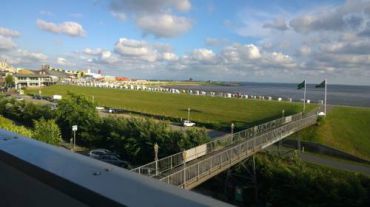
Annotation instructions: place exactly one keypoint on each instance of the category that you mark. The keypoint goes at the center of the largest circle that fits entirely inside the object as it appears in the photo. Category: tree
(193, 138)
(47, 131)
(9, 81)
(78, 110)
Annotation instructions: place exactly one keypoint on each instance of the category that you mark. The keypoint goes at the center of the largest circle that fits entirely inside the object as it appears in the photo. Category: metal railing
(198, 172)
(168, 163)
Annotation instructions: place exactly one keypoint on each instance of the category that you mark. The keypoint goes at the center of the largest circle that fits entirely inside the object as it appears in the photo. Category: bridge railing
(168, 163)
(226, 158)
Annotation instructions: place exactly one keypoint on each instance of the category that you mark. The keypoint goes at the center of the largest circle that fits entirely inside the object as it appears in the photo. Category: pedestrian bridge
(194, 166)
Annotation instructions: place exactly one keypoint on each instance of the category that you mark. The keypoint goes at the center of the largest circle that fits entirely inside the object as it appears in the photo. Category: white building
(32, 80)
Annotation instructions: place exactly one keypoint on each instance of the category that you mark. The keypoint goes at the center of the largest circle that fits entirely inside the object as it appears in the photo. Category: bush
(47, 131)
(10, 126)
(134, 138)
(22, 112)
(291, 182)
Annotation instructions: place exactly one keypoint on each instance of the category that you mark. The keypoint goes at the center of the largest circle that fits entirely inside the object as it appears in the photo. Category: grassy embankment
(9, 125)
(214, 112)
(345, 128)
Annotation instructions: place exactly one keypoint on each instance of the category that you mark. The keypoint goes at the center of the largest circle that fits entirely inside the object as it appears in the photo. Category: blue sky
(241, 40)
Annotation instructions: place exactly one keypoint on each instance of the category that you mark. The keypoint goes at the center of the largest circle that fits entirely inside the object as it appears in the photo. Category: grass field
(345, 128)
(215, 112)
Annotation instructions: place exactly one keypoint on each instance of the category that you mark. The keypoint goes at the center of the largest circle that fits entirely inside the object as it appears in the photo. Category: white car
(321, 113)
(188, 123)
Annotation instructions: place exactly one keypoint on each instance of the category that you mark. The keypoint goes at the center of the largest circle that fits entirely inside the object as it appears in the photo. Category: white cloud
(6, 43)
(153, 6)
(154, 17)
(129, 47)
(72, 29)
(305, 50)
(24, 58)
(62, 61)
(183, 5)
(169, 56)
(237, 52)
(278, 23)
(250, 51)
(90, 51)
(36, 56)
(164, 25)
(350, 15)
(252, 25)
(119, 15)
(5, 32)
(278, 59)
(203, 54)
(216, 42)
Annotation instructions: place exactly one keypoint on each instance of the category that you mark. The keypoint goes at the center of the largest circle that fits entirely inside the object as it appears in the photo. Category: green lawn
(345, 128)
(215, 112)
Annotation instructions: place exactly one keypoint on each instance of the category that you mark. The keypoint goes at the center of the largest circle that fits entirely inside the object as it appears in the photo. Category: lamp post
(188, 114)
(156, 158)
(184, 158)
(232, 128)
(74, 129)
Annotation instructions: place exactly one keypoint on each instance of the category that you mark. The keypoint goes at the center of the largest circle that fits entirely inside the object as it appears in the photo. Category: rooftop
(78, 180)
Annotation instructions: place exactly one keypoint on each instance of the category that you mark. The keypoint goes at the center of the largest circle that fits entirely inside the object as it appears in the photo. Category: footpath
(323, 160)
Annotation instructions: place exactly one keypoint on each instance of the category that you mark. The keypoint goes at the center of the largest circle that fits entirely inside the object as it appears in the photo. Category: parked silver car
(109, 157)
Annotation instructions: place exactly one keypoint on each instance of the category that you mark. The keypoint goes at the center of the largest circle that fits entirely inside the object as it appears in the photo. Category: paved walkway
(324, 160)
(336, 163)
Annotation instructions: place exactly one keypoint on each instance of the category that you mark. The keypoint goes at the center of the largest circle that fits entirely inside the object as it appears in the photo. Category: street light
(232, 128)
(74, 129)
(156, 158)
(184, 161)
(188, 114)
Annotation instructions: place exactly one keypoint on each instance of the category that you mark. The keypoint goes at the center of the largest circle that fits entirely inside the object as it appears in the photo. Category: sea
(348, 95)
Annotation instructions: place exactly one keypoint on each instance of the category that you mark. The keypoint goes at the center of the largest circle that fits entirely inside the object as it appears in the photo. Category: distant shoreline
(343, 95)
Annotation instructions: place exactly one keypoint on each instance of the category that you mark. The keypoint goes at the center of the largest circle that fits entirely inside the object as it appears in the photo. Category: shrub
(47, 131)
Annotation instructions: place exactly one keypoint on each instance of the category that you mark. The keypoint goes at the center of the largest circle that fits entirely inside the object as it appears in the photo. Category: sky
(239, 40)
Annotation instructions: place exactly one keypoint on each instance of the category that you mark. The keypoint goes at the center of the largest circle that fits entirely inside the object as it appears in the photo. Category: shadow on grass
(192, 110)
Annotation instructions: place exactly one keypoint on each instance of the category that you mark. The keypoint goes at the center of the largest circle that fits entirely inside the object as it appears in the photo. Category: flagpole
(326, 83)
(304, 96)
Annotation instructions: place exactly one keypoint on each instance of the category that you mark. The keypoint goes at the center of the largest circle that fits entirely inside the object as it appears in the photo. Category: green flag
(301, 85)
(321, 85)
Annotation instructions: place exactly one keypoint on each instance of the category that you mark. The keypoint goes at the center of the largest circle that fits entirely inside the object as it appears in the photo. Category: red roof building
(122, 79)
